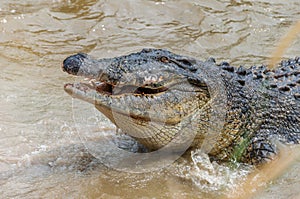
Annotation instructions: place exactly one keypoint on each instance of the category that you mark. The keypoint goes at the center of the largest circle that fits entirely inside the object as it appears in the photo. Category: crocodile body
(158, 97)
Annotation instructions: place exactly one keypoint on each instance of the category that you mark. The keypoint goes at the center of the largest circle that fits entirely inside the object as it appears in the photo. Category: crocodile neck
(263, 107)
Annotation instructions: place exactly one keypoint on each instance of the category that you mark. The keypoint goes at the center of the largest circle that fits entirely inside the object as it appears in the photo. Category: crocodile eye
(164, 59)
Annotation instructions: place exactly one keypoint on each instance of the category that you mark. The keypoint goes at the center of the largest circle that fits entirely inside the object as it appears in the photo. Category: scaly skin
(159, 98)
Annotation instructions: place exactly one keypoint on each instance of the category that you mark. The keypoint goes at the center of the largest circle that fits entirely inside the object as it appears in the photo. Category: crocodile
(159, 97)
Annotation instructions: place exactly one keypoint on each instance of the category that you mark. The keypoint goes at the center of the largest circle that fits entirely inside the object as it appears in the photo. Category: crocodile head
(152, 95)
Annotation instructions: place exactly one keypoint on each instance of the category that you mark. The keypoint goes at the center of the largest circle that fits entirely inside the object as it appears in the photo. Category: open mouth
(109, 89)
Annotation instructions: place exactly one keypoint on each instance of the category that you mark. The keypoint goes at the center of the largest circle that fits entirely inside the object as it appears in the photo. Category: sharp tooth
(94, 82)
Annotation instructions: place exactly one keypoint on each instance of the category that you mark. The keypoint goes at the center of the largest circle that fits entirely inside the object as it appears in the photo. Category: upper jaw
(97, 72)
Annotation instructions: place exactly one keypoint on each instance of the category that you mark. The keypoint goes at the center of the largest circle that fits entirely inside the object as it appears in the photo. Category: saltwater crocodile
(155, 96)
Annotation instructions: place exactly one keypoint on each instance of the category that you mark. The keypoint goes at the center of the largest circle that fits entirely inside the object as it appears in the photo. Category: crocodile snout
(72, 64)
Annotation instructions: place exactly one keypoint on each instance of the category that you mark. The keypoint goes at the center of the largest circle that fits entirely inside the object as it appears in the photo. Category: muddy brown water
(41, 153)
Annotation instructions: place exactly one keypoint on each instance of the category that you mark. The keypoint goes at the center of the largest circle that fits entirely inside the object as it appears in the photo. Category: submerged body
(166, 100)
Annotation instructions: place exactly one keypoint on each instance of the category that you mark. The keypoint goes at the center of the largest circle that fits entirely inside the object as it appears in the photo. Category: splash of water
(210, 176)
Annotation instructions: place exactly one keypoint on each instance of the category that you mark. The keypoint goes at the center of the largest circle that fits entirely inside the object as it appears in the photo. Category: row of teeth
(92, 82)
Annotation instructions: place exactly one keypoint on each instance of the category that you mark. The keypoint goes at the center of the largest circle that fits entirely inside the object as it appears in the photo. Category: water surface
(41, 154)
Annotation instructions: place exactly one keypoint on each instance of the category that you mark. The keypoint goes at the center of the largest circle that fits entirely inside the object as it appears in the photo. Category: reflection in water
(40, 152)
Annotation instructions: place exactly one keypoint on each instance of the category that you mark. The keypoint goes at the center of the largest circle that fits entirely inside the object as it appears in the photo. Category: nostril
(72, 64)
